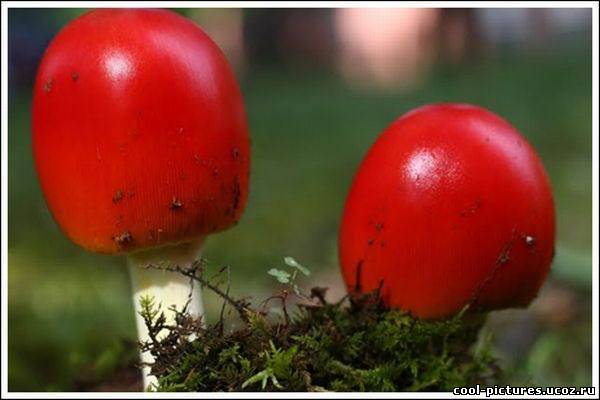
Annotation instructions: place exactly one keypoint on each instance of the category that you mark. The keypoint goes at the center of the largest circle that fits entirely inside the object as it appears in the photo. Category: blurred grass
(309, 133)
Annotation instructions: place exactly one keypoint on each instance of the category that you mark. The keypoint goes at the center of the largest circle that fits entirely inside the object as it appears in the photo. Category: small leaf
(295, 264)
(282, 276)
(275, 382)
(262, 376)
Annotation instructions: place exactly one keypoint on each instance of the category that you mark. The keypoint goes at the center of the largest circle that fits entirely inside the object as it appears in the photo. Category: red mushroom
(140, 142)
(450, 207)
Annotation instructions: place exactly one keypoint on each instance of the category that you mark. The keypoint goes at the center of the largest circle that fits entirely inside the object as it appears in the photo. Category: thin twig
(240, 306)
(283, 298)
(221, 317)
(502, 259)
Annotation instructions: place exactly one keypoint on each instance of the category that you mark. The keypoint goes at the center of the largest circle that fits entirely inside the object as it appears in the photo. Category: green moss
(352, 345)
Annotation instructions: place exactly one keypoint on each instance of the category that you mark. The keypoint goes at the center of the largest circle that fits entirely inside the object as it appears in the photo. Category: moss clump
(353, 345)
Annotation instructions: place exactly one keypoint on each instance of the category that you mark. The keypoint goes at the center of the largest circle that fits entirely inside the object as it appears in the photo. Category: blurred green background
(312, 117)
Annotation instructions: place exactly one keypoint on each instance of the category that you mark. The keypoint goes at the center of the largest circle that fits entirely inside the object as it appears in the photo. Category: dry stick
(502, 259)
(283, 298)
(222, 316)
(340, 301)
(357, 284)
(239, 306)
(378, 290)
(284, 306)
(319, 294)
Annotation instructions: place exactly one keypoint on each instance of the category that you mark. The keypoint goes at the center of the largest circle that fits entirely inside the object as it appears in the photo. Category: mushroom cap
(140, 136)
(451, 206)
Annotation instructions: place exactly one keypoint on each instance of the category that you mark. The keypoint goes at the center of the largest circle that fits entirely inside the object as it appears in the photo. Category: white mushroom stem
(167, 288)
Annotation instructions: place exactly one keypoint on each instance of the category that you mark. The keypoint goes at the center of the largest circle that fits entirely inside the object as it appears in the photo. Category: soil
(125, 379)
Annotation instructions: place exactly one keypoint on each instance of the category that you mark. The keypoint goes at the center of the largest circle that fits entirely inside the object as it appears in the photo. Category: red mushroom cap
(451, 206)
(139, 131)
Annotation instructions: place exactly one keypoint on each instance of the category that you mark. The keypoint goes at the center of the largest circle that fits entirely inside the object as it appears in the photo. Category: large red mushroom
(141, 143)
(451, 207)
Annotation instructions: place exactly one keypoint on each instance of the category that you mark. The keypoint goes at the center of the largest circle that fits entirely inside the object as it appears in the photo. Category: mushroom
(141, 145)
(450, 207)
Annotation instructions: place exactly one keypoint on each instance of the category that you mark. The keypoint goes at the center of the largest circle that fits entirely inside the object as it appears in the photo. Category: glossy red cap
(451, 206)
(139, 131)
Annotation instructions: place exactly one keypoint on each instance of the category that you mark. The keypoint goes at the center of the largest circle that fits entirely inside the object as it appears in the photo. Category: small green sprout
(278, 363)
(295, 264)
(289, 278)
(280, 275)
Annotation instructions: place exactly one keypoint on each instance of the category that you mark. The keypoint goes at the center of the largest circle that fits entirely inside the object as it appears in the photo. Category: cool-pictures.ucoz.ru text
(521, 391)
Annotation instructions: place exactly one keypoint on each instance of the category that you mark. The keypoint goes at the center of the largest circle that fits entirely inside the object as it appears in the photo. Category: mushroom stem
(166, 287)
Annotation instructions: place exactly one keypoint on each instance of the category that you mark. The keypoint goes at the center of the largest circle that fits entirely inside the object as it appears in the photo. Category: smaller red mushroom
(450, 207)
(133, 111)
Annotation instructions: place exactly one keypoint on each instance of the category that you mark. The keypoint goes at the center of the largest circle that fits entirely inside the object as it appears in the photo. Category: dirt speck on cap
(74, 76)
(379, 226)
(237, 193)
(175, 204)
(124, 238)
(215, 171)
(235, 153)
(358, 276)
(118, 196)
(48, 85)
(472, 209)
(504, 256)
(529, 240)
